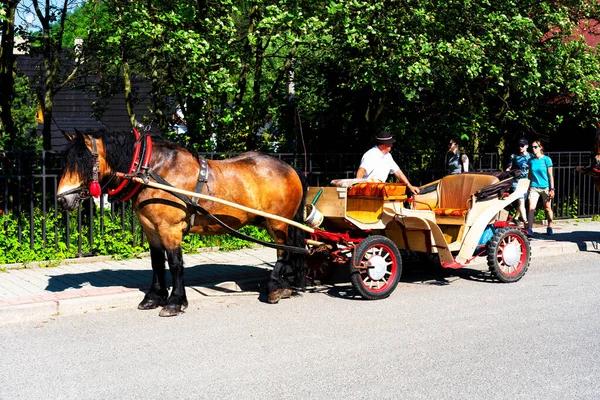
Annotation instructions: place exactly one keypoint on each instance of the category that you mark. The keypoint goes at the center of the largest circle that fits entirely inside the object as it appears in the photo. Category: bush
(117, 237)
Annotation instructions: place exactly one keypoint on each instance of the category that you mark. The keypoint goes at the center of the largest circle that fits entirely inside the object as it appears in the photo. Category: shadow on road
(140, 279)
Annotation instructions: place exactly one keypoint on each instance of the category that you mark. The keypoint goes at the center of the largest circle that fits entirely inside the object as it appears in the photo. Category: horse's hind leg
(158, 293)
(279, 280)
(278, 287)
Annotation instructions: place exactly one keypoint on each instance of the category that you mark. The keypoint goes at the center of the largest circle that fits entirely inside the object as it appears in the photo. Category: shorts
(514, 187)
(535, 193)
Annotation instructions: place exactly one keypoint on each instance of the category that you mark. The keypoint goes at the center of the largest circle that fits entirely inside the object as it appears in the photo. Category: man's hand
(413, 189)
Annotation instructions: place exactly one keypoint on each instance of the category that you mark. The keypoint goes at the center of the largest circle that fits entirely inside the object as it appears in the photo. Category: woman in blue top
(542, 184)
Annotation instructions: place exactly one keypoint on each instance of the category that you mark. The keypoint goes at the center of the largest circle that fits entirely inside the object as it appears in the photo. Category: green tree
(428, 70)
(246, 73)
(225, 65)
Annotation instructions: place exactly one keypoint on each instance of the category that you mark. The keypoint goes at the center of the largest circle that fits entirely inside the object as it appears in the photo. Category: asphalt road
(438, 336)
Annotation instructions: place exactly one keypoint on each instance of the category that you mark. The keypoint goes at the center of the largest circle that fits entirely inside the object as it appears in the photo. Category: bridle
(91, 188)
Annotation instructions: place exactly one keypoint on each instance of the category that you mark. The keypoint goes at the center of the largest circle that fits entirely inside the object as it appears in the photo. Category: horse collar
(142, 148)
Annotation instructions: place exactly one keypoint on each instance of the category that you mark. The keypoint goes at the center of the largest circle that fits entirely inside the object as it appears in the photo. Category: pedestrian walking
(520, 161)
(542, 185)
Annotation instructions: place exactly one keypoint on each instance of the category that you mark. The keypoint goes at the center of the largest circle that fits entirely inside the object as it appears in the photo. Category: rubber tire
(363, 252)
(495, 246)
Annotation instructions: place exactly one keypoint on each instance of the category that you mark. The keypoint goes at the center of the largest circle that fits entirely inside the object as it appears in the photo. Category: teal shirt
(538, 167)
(519, 161)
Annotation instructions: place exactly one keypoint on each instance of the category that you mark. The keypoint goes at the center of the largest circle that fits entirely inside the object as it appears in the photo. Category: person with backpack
(520, 161)
(456, 162)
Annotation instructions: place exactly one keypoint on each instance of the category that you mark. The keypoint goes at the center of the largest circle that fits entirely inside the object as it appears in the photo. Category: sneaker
(528, 231)
(549, 231)
(518, 222)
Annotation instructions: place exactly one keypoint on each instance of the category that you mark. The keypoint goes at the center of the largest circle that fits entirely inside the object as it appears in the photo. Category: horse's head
(84, 166)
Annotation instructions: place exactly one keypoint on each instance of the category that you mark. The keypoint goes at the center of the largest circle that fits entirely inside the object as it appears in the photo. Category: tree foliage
(296, 75)
(487, 71)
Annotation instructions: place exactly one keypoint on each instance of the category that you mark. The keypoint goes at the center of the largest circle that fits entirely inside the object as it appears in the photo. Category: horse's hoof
(279, 294)
(171, 310)
(149, 304)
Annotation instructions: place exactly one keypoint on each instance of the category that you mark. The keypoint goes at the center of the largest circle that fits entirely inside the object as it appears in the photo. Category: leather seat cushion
(450, 212)
(378, 189)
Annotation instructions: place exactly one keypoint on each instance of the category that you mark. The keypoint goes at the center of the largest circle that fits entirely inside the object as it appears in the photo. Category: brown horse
(252, 179)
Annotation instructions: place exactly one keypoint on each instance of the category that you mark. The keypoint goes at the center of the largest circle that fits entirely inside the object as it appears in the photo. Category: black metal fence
(29, 180)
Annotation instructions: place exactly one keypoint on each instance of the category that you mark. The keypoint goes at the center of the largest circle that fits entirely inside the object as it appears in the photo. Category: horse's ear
(69, 136)
(82, 137)
(78, 135)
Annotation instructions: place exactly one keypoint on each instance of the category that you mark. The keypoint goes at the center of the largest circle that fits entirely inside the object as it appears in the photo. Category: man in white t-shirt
(378, 163)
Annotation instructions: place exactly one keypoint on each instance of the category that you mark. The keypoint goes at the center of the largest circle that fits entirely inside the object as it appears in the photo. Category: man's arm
(400, 175)
(510, 163)
(360, 173)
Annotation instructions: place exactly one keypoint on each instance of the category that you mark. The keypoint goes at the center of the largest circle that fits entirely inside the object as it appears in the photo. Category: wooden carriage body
(447, 218)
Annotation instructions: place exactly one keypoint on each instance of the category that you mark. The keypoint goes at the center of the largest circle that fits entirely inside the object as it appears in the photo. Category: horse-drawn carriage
(458, 217)
(365, 225)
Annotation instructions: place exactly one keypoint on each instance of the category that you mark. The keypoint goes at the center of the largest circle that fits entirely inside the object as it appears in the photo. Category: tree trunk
(128, 95)
(7, 81)
(252, 142)
(158, 104)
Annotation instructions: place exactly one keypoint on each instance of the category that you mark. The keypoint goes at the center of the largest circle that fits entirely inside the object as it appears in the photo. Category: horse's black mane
(119, 148)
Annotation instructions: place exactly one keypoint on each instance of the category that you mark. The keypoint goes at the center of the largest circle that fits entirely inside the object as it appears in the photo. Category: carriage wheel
(508, 254)
(376, 267)
(320, 267)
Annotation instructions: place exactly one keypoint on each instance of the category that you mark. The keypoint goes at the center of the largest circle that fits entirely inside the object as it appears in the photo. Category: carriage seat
(451, 199)
(365, 200)
(380, 190)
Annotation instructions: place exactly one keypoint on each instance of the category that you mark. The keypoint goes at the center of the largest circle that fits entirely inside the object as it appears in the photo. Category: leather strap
(202, 179)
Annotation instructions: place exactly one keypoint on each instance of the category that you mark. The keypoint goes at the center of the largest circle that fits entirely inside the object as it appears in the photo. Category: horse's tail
(297, 238)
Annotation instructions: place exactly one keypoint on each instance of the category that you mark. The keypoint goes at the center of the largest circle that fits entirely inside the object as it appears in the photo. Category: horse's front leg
(158, 293)
(178, 300)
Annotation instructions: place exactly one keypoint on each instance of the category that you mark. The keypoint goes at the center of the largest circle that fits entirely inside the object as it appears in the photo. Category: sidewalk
(87, 286)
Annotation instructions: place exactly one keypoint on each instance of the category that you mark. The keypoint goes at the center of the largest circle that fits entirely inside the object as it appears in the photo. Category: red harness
(120, 193)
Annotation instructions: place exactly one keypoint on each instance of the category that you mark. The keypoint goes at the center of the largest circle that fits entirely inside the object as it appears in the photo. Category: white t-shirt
(378, 165)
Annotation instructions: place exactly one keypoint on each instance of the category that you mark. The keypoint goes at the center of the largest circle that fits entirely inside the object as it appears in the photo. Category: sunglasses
(535, 147)
(522, 145)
